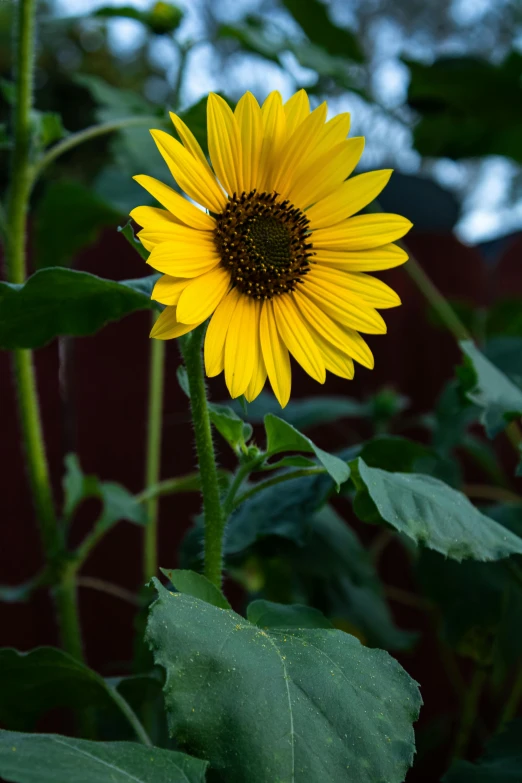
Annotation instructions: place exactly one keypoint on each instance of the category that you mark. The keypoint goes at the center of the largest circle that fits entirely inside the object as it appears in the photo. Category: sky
(484, 188)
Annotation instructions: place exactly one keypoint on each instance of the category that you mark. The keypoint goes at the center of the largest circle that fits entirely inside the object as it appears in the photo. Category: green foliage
(57, 302)
(235, 431)
(281, 436)
(309, 690)
(117, 502)
(501, 762)
(161, 19)
(68, 218)
(48, 128)
(38, 681)
(314, 19)
(196, 585)
(50, 758)
(435, 515)
(456, 121)
(491, 390)
(267, 614)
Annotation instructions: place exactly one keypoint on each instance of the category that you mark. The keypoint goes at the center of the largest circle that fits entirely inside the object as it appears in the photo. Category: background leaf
(501, 763)
(50, 758)
(68, 218)
(55, 302)
(437, 516)
(196, 585)
(281, 436)
(315, 21)
(308, 689)
(492, 391)
(267, 614)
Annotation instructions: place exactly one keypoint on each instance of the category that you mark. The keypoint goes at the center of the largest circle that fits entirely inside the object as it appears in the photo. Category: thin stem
(107, 587)
(75, 139)
(243, 473)
(214, 517)
(490, 492)
(469, 711)
(132, 718)
(153, 455)
(189, 483)
(276, 480)
(439, 303)
(66, 600)
(513, 703)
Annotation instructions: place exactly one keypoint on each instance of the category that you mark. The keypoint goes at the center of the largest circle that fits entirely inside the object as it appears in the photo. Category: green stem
(153, 455)
(513, 702)
(439, 303)
(66, 600)
(214, 517)
(29, 410)
(189, 483)
(75, 139)
(469, 712)
(132, 718)
(275, 480)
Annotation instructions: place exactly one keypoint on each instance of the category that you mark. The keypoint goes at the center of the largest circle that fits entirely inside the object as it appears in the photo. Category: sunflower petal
(155, 218)
(327, 173)
(167, 326)
(190, 142)
(275, 354)
(190, 174)
(274, 135)
(297, 146)
(202, 295)
(168, 289)
(224, 143)
(259, 373)
(374, 260)
(297, 109)
(181, 209)
(369, 288)
(214, 349)
(297, 338)
(239, 354)
(333, 133)
(183, 259)
(342, 338)
(349, 198)
(350, 311)
(336, 362)
(250, 121)
(362, 232)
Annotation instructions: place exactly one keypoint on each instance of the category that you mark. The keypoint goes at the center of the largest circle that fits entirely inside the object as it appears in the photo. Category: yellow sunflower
(277, 259)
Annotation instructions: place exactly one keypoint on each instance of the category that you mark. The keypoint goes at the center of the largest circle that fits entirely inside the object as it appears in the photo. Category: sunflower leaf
(196, 585)
(490, 389)
(307, 689)
(55, 302)
(433, 514)
(50, 758)
(281, 436)
(501, 762)
(117, 502)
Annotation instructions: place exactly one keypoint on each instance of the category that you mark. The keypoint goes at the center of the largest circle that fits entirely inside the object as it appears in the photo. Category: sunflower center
(264, 244)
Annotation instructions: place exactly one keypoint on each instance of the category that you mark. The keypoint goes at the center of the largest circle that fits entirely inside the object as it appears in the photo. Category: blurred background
(436, 89)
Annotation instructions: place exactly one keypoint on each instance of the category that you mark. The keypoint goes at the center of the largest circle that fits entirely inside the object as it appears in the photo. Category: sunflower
(277, 259)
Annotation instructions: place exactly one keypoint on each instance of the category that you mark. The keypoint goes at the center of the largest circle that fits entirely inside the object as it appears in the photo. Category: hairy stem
(153, 456)
(214, 516)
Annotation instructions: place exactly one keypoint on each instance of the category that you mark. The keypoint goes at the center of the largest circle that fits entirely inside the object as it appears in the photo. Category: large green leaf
(117, 502)
(491, 390)
(501, 763)
(50, 758)
(281, 436)
(455, 121)
(291, 506)
(68, 218)
(33, 683)
(317, 704)
(196, 585)
(435, 515)
(55, 302)
(312, 16)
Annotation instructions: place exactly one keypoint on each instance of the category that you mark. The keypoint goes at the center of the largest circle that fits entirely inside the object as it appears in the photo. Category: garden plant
(270, 653)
